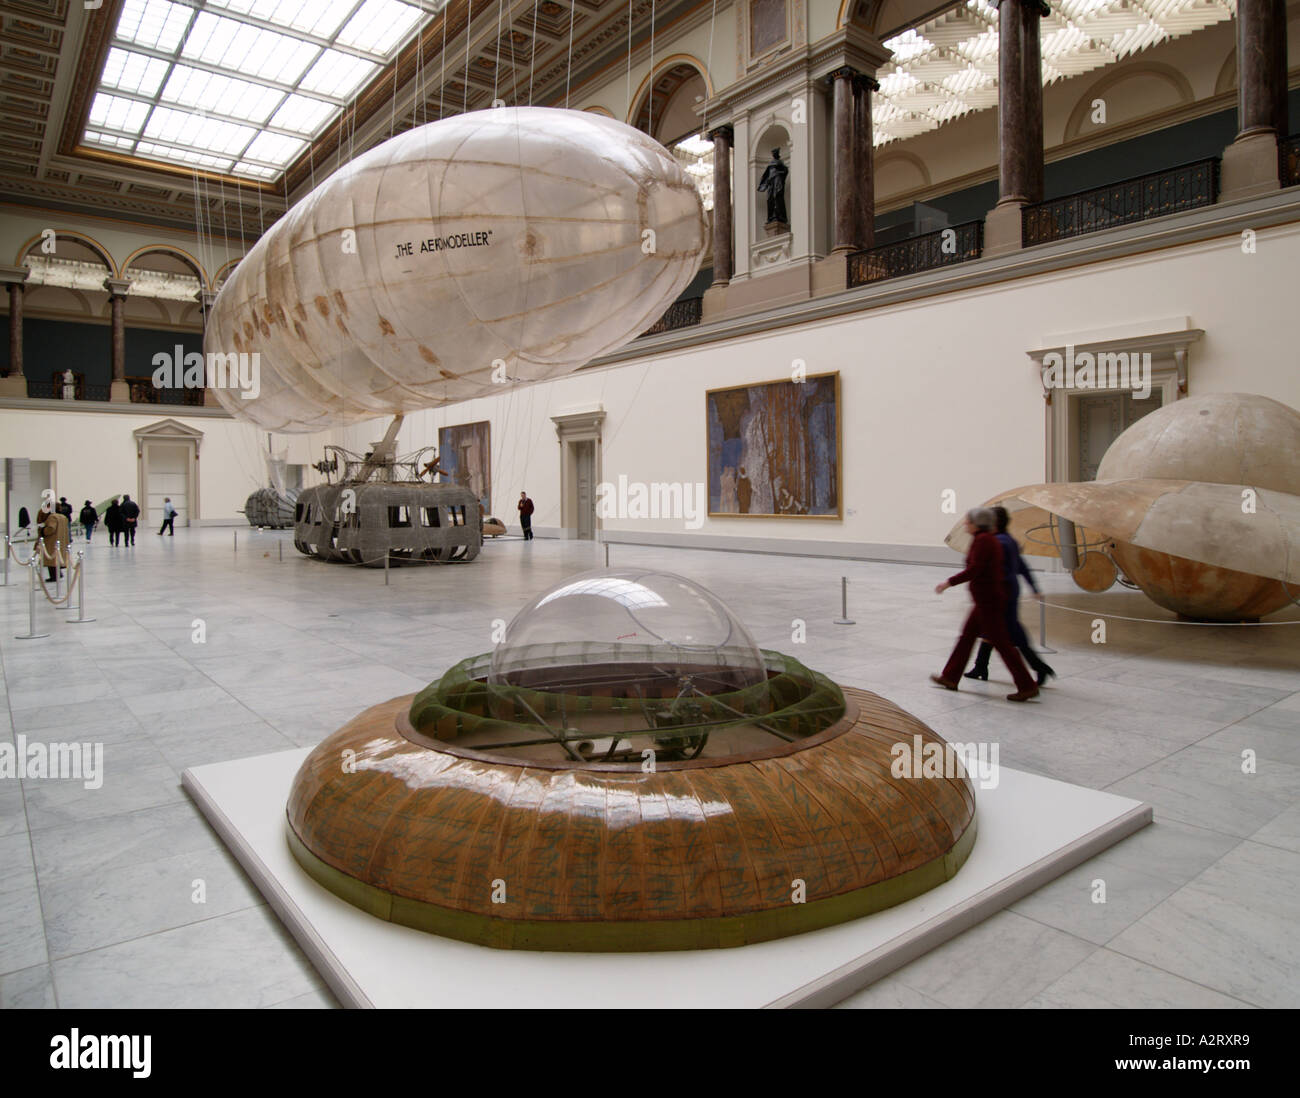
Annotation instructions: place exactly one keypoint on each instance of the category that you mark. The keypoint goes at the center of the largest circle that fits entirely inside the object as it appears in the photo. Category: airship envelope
(493, 247)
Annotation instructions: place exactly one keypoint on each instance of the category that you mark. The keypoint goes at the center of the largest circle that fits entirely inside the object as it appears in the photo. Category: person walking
(64, 508)
(1013, 567)
(130, 517)
(113, 522)
(89, 517)
(525, 506)
(169, 519)
(987, 618)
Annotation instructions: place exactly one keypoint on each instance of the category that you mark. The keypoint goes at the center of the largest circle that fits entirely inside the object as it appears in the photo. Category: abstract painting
(774, 448)
(465, 456)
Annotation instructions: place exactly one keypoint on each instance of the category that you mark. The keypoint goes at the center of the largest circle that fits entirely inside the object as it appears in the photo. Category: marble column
(1013, 144)
(864, 162)
(844, 232)
(722, 213)
(1250, 163)
(120, 391)
(1020, 123)
(15, 384)
(1031, 45)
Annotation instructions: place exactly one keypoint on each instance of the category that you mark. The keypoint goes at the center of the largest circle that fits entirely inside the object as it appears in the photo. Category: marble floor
(123, 896)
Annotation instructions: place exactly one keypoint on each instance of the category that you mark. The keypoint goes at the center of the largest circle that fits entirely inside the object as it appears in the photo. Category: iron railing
(144, 391)
(1186, 187)
(941, 248)
(1288, 154)
(680, 314)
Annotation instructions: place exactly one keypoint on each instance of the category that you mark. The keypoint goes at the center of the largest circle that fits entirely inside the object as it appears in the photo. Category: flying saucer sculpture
(628, 771)
(513, 244)
(1197, 504)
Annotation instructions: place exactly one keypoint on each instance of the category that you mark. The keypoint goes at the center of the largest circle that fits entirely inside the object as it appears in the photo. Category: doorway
(1099, 419)
(584, 459)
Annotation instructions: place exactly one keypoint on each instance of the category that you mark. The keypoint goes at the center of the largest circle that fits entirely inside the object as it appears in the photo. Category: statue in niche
(773, 182)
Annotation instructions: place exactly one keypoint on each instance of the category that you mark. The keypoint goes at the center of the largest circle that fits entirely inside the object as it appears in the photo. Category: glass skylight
(948, 66)
(241, 86)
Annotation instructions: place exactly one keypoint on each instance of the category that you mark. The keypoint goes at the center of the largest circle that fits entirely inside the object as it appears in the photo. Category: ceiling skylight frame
(173, 23)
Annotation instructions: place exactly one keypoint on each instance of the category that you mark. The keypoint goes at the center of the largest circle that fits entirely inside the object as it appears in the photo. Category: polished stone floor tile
(1231, 929)
(27, 989)
(1105, 980)
(1206, 787)
(244, 959)
(1003, 962)
(1135, 875)
(101, 907)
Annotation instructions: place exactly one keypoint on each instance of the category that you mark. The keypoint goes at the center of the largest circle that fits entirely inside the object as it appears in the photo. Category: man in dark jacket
(89, 516)
(130, 518)
(64, 508)
(526, 515)
(987, 618)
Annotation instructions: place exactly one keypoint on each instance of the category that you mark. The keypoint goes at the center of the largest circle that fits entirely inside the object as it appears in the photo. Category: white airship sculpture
(498, 246)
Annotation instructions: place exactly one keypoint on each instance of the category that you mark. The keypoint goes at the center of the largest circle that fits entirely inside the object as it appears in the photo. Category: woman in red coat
(987, 618)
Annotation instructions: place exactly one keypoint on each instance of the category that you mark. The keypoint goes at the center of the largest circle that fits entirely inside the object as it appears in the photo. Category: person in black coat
(130, 517)
(89, 516)
(113, 520)
(1013, 567)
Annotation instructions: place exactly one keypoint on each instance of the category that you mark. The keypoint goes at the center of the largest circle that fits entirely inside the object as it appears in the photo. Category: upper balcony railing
(685, 313)
(1288, 154)
(1186, 187)
(943, 247)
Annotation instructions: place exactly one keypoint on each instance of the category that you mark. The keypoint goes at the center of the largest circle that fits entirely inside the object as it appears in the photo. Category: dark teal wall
(58, 345)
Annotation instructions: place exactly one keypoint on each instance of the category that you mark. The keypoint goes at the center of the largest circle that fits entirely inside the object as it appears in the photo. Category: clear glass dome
(628, 628)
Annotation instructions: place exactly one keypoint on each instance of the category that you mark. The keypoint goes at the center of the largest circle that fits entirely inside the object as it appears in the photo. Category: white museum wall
(936, 394)
(94, 455)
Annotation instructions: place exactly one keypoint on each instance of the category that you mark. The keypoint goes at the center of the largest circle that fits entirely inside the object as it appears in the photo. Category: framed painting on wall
(774, 449)
(465, 457)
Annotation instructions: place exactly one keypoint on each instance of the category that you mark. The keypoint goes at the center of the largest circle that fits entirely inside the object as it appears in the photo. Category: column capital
(844, 72)
(867, 83)
(117, 287)
(14, 276)
(723, 131)
(1039, 6)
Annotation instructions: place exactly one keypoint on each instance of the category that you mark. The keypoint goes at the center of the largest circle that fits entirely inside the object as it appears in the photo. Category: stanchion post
(281, 545)
(844, 618)
(31, 633)
(7, 552)
(1042, 628)
(606, 554)
(386, 556)
(81, 618)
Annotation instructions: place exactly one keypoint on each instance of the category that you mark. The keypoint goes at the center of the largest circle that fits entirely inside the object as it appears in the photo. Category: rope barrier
(1164, 621)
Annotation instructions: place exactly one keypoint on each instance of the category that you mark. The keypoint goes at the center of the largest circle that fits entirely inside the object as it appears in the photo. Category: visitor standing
(64, 508)
(52, 526)
(525, 506)
(169, 519)
(89, 517)
(113, 522)
(130, 517)
(987, 618)
(1013, 567)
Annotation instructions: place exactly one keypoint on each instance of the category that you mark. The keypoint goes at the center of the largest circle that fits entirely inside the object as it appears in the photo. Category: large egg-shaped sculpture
(514, 244)
(1198, 504)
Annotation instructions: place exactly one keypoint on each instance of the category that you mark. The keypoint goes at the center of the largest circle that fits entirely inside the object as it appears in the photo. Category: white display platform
(1031, 830)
